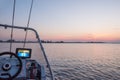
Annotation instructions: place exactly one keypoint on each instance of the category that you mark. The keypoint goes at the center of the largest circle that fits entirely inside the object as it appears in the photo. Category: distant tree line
(7, 40)
(43, 41)
(49, 41)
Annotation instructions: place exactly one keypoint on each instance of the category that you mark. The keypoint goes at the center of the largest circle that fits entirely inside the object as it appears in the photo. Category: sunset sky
(67, 20)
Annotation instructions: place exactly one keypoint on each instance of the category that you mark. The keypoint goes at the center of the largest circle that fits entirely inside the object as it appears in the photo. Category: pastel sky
(68, 20)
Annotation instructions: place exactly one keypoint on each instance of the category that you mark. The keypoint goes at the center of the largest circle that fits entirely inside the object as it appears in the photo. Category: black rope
(28, 23)
(12, 25)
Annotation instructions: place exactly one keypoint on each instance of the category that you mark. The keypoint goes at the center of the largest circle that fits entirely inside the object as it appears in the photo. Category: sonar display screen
(23, 53)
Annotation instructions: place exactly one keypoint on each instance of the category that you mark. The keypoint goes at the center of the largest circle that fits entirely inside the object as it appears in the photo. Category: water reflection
(85, 61)
(79, 61)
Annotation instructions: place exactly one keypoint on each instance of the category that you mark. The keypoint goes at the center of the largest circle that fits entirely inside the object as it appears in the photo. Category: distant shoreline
(91, 42)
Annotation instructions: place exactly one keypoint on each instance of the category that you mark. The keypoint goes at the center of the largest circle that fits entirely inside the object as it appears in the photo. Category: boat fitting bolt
(6, 66)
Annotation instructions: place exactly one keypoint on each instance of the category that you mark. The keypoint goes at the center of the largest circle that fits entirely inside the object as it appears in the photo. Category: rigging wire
(28, 23)
(13, 16)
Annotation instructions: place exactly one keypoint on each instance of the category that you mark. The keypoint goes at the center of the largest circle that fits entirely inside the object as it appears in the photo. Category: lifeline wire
(28, 23)
(12, 25)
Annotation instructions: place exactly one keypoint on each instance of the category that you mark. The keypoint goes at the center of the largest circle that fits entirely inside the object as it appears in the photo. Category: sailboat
(22, 59)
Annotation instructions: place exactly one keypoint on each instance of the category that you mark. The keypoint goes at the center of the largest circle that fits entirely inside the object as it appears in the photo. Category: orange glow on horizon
(88, 37)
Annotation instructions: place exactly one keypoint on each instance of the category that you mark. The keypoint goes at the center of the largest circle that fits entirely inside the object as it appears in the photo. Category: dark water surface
(84, 61)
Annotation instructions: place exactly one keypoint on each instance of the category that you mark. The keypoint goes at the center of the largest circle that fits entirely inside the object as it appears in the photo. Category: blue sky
(69, 20)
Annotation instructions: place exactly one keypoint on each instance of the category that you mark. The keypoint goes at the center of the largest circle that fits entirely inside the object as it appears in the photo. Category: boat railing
(39, 41)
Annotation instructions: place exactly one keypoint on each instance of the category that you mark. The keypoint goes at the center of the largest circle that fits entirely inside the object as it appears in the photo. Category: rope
(28, 23)
(12, 25)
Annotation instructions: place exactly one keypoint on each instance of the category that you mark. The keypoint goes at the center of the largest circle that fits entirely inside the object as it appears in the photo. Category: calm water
(80, 61)
(84, 61)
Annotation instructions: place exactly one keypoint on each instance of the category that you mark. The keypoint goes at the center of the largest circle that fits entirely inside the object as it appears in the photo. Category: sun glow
(62, 20)
(84, 37)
